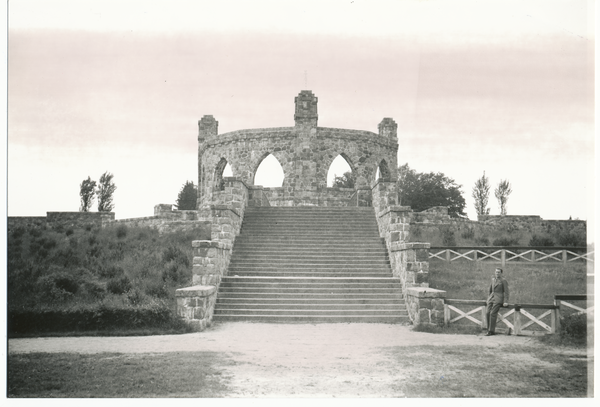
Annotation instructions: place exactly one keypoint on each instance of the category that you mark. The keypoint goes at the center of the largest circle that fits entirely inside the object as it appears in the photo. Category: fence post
(533, 255)
(557, 316)
(446, 315)
(484, 317)
(475, 255)
(553, 321)
(503, 257)
(448, 255)
(517, 321)
(564, 257)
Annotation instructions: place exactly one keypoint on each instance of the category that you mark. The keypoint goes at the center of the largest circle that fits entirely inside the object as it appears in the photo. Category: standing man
(498, 297)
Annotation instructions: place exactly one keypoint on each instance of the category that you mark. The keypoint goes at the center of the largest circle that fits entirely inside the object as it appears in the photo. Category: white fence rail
(518, 319)
(504, 255)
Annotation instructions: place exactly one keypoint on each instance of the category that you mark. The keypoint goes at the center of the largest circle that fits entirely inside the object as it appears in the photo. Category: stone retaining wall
(409, 260)
(62, 220)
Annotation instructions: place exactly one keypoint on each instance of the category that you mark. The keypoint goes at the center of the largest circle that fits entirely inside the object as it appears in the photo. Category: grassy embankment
(112, 281)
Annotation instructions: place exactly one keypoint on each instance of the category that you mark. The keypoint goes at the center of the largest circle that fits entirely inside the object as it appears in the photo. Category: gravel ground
(278, 360)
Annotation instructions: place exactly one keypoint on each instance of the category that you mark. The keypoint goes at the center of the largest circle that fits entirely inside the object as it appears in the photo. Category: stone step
(313, 319)
(311, 290)
(316, 296)
(318, 241)
(310, 264)
(308, 261)
(308, 312)
(300, 251)
(311, 284)
(388, 306)
(288, 274)
(276, 256)
(267, 279)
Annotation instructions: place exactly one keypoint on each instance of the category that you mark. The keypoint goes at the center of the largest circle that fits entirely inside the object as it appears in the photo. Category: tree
(345, 181)
(188, 195)
(105, 191)
(481, 194)
(502, 192)
(422, 191)
(87, 190)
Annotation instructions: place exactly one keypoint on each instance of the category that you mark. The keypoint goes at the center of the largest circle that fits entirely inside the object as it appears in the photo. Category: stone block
(425, 303)
(423, 316)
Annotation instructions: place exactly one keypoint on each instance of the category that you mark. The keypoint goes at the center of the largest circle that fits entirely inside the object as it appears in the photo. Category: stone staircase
(310, 264)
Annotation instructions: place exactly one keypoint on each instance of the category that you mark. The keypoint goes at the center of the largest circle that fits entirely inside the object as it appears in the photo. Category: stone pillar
(306, 114)
(388, 128)
(196, 305)
(210, 261)
(425, 305)
(411, 262)
(208, 128)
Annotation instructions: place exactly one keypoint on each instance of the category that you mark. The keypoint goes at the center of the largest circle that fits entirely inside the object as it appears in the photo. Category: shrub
(571, 239)
(506, 241)
(482, 241)
(121, 231)
(111, 271)
(118, 285)
(468, 234)
(448, 238)
(56, 287)
(69, 232)
(574, 326)
(159, 290)
(540, 241)
(135, 296)
(175, 254)
(94, 289)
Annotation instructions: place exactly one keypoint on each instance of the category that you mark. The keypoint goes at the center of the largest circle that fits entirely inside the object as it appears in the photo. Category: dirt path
(286, 360)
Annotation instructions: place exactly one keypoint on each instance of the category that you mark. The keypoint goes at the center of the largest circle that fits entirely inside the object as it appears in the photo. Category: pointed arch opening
(269, 173)
(341, 170)
(223, 169)
(383, 171)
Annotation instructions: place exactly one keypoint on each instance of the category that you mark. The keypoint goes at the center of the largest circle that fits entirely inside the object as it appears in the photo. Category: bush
(57, 287)
(571, 239)
(482, 241)
(118, 285)
(540, 241)
(574, 326)
(468, 234)
(506, 241)
(98, 317)
(448, 238)
(121, 231)
(175, 254)
(111, 271)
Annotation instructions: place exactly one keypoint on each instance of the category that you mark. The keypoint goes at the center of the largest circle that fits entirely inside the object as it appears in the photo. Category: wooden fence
(518, 319)
(504, 255)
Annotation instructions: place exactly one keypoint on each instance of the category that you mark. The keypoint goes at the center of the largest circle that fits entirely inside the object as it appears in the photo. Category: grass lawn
(529, 283)
(181, 374)
(515, 371)
(413, 371)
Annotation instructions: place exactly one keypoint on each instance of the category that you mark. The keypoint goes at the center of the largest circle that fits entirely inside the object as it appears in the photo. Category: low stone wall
(27, 222)
(425, 305)
(62, 220)
(319, 196)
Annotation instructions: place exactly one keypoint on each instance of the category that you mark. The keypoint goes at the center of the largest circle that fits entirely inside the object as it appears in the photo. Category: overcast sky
(505, 87)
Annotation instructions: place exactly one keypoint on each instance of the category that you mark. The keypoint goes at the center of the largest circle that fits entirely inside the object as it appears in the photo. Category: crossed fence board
(521, 318)
(516, 253)
(566, 301)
